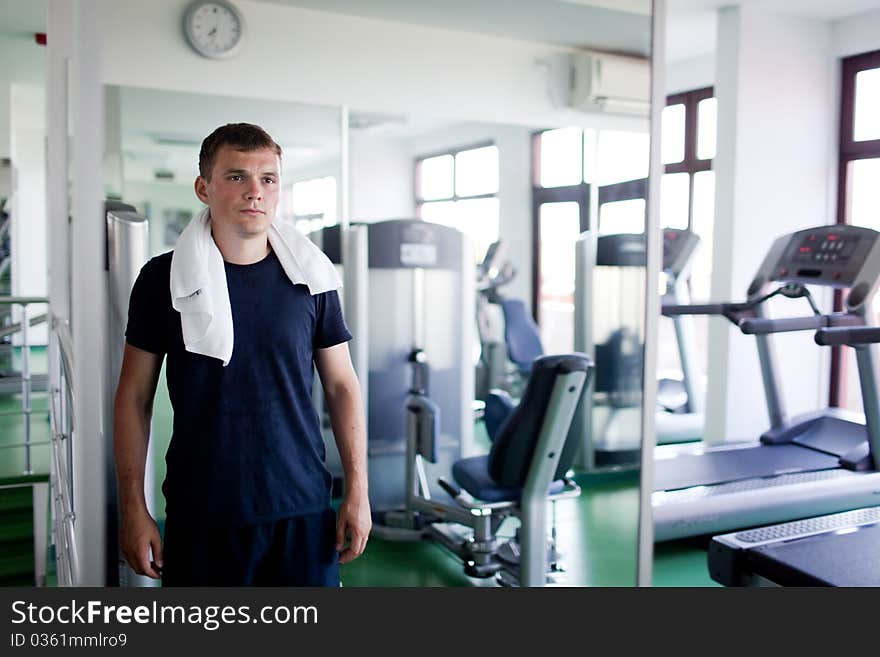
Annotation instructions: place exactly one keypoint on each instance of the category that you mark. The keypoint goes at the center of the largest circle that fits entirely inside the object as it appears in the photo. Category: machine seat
(501, 475)
(472, 474)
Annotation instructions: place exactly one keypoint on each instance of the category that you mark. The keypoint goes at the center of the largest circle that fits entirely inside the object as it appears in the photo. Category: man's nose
(254, 191)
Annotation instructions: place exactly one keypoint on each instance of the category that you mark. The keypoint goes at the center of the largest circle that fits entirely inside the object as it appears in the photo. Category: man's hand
(137, 536)
(353, 522)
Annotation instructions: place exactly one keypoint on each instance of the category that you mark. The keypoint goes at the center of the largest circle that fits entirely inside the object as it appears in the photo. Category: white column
(60, 16)
(645, 545)
(774, 167)
(88, 293)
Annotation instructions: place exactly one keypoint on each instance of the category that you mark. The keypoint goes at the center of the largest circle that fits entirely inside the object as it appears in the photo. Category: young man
(247, 492)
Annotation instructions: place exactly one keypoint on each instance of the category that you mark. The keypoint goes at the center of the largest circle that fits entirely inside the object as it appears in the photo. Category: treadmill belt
(832, 559)
(727, 465)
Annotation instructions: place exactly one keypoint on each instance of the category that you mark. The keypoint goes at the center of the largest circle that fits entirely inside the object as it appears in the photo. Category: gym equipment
(415, 440)
(816, 463)
(524, 472)
(610, 276)
(506, 364)
(406, 282)
(837, 549)
(127, 242)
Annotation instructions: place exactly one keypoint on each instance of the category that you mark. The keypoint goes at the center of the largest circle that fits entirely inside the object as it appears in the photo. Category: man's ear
(201, 192)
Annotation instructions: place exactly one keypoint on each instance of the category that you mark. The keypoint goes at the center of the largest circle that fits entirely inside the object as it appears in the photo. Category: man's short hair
(243, 137)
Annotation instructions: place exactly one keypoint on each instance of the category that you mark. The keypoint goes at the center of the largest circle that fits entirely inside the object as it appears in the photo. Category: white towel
(198, 281)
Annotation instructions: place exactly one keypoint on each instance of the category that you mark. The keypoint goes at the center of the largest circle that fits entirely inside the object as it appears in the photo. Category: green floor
(596, 532)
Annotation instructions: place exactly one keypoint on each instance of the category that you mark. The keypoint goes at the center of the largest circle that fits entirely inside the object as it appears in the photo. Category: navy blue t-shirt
(246, 446)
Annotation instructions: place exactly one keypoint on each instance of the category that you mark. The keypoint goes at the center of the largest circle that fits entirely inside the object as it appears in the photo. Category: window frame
(579, 193)
(417, 162)
(848, 151)
(691, 164)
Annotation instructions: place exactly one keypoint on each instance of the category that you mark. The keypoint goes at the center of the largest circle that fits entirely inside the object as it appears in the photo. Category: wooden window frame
(691, 164)
(848, 151)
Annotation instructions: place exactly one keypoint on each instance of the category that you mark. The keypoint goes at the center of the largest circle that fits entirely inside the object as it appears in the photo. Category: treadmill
(839, 549)
(816, 463)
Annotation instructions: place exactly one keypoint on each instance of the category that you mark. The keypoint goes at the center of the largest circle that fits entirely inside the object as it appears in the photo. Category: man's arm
(133, 409)
(345, 404)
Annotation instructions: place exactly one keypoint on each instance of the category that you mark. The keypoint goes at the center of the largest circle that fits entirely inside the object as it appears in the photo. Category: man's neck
(242, 251)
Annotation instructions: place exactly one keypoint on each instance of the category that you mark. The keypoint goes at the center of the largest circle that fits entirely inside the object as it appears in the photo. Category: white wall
(28, 214)
(689, 74)
(22, 61)
(855, 35)
(775, 171)
(22, 139)
(382, 177)
(333, 59)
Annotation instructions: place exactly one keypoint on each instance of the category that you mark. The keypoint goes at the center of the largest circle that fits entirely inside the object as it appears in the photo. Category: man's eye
(235, 178)
(270, 181)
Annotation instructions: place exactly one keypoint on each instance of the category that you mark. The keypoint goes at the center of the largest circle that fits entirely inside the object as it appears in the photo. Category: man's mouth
(253, 211)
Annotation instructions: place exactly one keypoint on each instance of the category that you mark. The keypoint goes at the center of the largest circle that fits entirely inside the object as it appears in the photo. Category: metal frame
(482, 519)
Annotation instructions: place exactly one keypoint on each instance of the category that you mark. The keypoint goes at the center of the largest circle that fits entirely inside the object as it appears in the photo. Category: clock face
(214, 29)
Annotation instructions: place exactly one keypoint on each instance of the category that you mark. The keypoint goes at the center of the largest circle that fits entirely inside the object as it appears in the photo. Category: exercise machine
(838, 549)
(816, 463)
(509, 346)
(409, 297)
(609, 298)
(524, 473)
(406, 282)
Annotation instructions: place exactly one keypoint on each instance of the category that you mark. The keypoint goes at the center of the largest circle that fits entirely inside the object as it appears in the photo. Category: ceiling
(613, 25)
(691, 24)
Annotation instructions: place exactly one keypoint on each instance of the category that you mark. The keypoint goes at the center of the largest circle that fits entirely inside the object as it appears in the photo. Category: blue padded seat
(500, 475)
(521, 335)
(499, 406)
(472, 474)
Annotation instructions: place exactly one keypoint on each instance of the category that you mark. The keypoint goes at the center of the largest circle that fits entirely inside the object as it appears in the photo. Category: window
(687, 199)
(311, 203)
(460, 189)
(857, 191)
(688, 125)
(574, 169)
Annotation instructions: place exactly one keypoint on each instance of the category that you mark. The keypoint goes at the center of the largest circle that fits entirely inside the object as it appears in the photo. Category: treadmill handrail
(829, 337)
(733, 311)
(672, 309)
(765, 325)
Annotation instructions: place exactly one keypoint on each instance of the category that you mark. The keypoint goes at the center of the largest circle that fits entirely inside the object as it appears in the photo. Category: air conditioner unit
(613, 83)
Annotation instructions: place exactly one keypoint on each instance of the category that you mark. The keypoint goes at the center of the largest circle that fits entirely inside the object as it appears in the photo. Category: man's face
(243, 190)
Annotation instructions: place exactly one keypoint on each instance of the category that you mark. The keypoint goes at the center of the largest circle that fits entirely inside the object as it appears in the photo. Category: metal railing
(61, 486)
(26, 378)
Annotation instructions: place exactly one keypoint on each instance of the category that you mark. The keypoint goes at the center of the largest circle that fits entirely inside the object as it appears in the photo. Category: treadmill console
(678, 247)
(829, 255)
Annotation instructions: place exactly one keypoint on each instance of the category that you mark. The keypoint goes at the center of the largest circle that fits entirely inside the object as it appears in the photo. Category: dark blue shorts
(297, 551)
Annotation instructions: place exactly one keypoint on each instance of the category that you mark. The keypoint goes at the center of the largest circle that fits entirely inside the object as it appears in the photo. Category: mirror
(730, 145)
(563, 189)
(505, 130)
(151, 161)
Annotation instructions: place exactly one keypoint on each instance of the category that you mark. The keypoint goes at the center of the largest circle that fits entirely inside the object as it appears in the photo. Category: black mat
(731, 465)
(832, 559)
